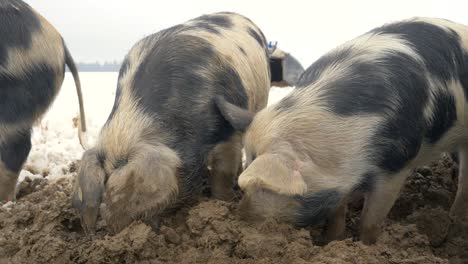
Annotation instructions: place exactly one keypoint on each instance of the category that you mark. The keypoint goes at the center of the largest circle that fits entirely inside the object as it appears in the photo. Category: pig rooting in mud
(147, 167)
(360, 119)
(165, 137)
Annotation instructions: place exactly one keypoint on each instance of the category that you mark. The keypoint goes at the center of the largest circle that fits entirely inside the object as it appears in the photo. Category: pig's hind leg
(13, 153)
(224, 164)
(378, 202)
(459, 208)
(336, 225)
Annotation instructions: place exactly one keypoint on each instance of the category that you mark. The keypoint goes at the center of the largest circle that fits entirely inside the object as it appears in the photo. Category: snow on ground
(55, 140)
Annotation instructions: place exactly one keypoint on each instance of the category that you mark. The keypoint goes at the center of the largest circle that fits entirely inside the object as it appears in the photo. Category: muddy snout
(88, 217)
(88, 214)
(258, 205)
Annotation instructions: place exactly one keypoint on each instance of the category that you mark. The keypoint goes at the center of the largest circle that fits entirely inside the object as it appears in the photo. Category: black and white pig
(165, 133)
(361, 118)
(33, 56)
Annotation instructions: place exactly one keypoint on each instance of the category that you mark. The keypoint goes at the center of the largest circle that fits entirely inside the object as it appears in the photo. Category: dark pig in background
(33, 56)
(165, 134)
(361, 118)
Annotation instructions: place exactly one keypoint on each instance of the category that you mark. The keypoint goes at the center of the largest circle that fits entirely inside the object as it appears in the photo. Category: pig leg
(459, 208)
(336, 226)
(13, 153)
(7, 183)
(378, 203)
(225, 163)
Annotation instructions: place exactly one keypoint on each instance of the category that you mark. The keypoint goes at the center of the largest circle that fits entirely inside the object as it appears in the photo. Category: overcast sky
(99, 30)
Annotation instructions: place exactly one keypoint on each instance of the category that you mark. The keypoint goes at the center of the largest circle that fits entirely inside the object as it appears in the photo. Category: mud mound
(42, 227)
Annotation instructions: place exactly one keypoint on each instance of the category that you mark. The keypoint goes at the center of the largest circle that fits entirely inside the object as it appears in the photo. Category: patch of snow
(277, 93)
(8, 205)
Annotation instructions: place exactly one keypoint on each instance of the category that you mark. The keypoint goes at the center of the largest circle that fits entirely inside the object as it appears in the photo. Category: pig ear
(143, 187)
(238, 117)
(270, 172)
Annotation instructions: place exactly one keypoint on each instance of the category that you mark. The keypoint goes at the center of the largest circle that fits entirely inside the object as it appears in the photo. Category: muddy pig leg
(13, 153)
(224, 163)
(379, 200)
(460, 205)
(336, 225)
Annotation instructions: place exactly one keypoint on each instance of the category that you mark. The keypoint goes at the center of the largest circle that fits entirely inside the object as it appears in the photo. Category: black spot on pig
(208, 27)
(257, 37)
(15, 150)
(23, 98)
(227, 76)
(218, 20)
(367, 182)
(228, 13)
(315, 209)
(263, 38)
(444, 116)
(397, 141)
(464, 75)
(440, 48)
(369, 87)
(18, 24)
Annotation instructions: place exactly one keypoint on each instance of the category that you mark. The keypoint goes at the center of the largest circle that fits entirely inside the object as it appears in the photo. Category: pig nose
(245, 210)
(89, 218)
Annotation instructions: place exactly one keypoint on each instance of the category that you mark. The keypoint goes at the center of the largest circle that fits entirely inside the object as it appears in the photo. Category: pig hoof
(456, 214)
(332, 236)
(368, 240)
(369, 236)
(154, 222)
(225, 196)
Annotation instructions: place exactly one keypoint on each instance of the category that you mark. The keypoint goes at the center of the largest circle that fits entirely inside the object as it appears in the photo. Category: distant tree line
(98, 67)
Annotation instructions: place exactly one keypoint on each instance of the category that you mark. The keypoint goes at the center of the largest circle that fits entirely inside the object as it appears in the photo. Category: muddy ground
(42, 228)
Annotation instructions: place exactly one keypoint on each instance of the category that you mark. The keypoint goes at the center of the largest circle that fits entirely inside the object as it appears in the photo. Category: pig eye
(254, 156)
(101, 158)
(121, 162)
